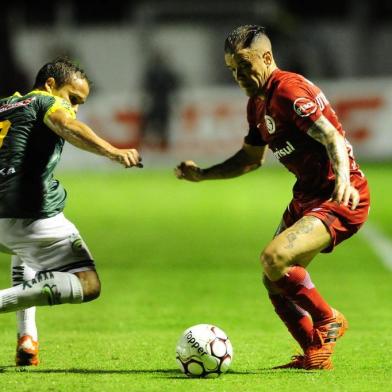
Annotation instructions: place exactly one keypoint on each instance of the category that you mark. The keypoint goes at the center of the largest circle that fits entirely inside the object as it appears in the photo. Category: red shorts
(340, 221)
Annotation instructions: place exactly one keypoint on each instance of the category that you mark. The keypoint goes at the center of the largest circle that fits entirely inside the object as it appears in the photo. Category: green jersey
(29, 153)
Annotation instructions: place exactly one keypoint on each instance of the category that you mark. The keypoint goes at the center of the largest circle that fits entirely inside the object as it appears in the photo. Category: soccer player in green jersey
(51, 264)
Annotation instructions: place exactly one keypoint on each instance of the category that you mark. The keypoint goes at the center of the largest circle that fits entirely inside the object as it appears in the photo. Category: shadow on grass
(264, 371)
(88, 371)
(163, 373)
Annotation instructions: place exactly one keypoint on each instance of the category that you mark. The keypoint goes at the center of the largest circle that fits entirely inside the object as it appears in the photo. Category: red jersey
(291, 105)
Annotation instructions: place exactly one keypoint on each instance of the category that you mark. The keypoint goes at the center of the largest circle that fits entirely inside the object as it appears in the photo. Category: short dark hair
(61, 70)
(243, 37)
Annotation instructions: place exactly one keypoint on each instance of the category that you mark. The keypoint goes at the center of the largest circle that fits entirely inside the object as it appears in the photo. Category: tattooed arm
(245, 160)
(325, 133)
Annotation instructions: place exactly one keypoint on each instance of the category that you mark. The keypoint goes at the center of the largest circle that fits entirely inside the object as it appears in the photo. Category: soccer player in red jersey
(290, 115)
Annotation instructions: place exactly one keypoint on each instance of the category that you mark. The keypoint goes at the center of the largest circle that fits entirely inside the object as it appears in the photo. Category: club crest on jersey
(304, 107)
(270, 124)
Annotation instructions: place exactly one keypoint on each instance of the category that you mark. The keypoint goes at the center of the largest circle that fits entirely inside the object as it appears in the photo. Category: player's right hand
(344, 193)
(188, 170)
(127, 157)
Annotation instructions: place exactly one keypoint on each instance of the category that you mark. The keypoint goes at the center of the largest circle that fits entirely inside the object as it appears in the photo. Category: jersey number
(4, 128)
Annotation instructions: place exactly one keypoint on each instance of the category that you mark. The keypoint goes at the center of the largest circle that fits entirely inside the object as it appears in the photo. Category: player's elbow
(254, 156)
(251, 166)
(256, 163)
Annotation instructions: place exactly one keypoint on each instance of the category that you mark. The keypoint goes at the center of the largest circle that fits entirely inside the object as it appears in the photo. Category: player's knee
(92, 292)
(270, 258)
(90, 284)
(273, 262)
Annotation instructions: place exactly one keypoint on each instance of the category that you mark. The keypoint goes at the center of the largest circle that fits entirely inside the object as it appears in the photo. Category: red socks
(298, 323)
(298, 287)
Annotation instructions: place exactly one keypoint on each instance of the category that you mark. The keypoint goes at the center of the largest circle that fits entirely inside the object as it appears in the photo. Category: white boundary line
(380, 243)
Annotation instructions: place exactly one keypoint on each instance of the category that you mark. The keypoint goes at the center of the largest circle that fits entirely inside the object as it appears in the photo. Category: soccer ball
(204, 350)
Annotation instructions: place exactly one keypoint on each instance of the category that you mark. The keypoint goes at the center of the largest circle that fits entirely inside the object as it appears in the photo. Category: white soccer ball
(204, 350)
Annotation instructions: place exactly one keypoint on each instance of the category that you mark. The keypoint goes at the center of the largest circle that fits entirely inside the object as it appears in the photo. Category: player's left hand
(344, 193)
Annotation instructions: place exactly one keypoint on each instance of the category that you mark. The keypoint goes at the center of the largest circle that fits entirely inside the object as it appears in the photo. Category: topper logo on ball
(191, 340)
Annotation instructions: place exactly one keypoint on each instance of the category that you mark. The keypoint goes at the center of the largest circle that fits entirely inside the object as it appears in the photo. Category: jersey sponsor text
(282, 152)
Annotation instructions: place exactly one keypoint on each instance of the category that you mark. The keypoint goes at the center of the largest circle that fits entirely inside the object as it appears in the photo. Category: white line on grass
(380, 242)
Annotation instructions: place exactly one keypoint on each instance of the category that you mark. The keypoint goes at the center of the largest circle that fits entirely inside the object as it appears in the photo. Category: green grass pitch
(172, 254)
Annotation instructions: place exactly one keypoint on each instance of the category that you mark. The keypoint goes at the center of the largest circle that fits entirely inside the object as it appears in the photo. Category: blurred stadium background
(172, 254)
(177, 46)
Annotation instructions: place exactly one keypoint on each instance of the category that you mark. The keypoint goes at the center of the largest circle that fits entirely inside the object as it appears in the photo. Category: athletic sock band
(298, 286)
(47, 288)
